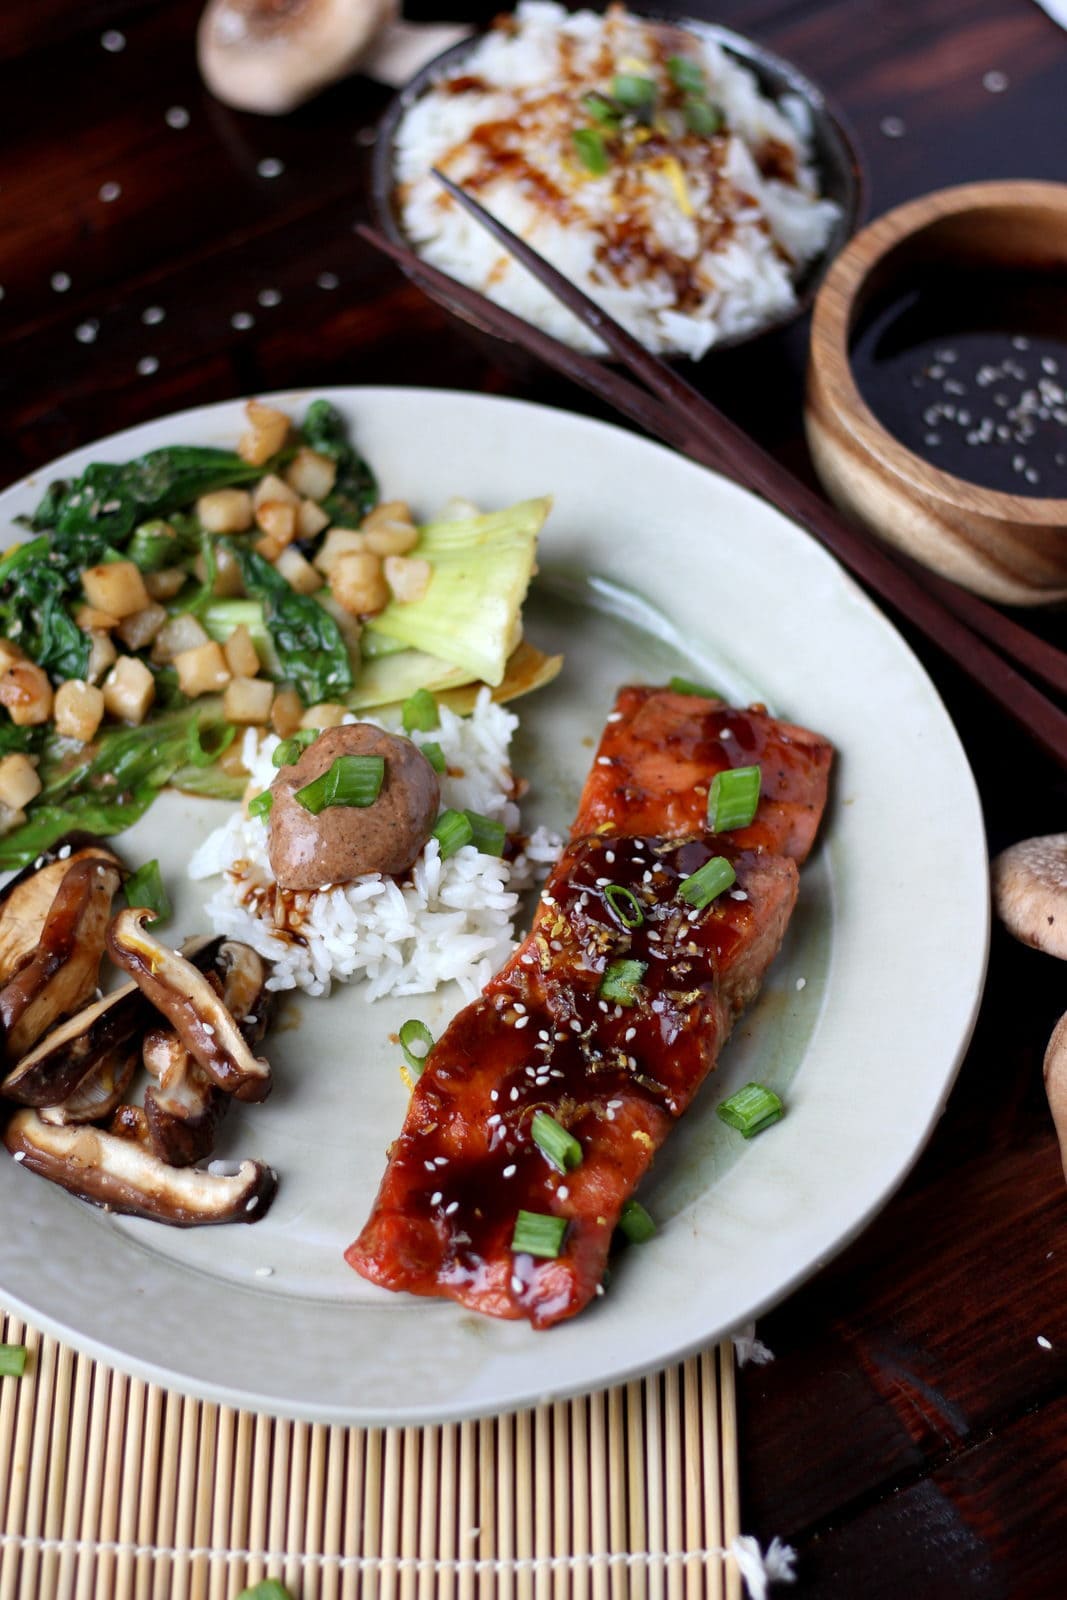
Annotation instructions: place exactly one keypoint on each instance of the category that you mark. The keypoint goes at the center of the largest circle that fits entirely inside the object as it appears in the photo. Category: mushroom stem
(190, 1004)
(1056, 1084)
(121, 1175)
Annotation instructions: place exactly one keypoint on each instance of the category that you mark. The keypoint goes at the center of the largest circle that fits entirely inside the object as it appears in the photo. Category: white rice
(737, 236)
(449, 920)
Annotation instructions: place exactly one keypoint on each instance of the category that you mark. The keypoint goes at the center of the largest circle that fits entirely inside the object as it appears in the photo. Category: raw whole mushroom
(1030, 895)
(271, 55)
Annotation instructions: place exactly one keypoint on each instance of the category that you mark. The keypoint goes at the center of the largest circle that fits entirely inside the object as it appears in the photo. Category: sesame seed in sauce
(520, 1022)
(509, 1171)
(451, 1208)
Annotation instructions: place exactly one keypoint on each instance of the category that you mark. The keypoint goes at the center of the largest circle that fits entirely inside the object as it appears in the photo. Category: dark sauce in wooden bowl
(969, 371)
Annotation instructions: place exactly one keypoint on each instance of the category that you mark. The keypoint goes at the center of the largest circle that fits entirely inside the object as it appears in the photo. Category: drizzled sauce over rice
(685, 236)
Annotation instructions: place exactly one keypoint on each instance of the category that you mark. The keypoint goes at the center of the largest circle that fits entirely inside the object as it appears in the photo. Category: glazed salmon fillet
(615, 1072)
(660, 751)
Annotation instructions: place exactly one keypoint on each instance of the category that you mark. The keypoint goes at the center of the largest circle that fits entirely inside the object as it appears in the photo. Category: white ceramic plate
(649, 565)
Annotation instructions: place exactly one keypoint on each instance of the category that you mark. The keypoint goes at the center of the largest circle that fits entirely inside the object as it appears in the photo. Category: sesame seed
(152, 315)
(86, 332)
(609, 857)
(176, 117)
(242, 320)
(60, 282)
(146, 366)
(517, 1284)
(1046, 1344)
(576, 1026)
(631, 1033)
(604, 761)
(451, 1208)
(801, 984)
(494, 1094)
(250, 1205)
(429, 1166)
(562, 1193)
(20, 1155)
(514, 1094)
(270, 167)
(113, 41)
(436, 1197)
(509, 1171)
(109, 191)
(600, 1288)
(64, 852)
(614, 716)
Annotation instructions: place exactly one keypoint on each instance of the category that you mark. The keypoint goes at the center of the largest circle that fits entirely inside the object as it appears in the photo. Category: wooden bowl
(1008, 547)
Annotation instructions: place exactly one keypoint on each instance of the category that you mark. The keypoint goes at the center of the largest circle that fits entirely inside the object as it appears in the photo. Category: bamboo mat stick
(731, 1494)
(110, 1487)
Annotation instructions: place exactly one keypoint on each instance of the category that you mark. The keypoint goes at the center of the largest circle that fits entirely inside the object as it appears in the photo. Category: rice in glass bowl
(692, 184)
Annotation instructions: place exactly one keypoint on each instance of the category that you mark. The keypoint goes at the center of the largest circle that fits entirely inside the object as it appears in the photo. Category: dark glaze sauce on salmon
(542, 1037)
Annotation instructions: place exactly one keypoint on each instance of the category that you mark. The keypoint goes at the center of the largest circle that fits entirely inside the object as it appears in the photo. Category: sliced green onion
(686, 74)
(260, 806)
(625, 904)
(708, 882)
(285, 754)
(601, 109)
(751, 1109)
(591, 150)
(12, 1360)
(348, 781)
(266, 1589)
(538, 1235)
(487, 836)
(620, 981)
(434, 755)
(196, 752)
(452, 830)
(633, 91)
(701, 116)
(153, 545)
(145, 888)
(420, 711)
(554, 1142)
(733, 798)
(687, 686)
(636, 1223)
(412, 1033)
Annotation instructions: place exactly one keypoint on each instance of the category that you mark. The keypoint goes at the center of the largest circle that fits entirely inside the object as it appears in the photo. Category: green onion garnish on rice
(733, 798)
(625, 905)
(452, 830)
(751, 1109)
(434, 755)
(555, 1143)
(487, 836)
(260, 805)
(419, 711)
(601, 109)
(348, 781)
(686, 74)
(687, 686)
(412, 1034)
(620, 981)
(634, 92)
(12, 1360)
(701, 116)
(636, 1223)
(591, 150)
(144, 888)
(707, 883)
(538, 1235)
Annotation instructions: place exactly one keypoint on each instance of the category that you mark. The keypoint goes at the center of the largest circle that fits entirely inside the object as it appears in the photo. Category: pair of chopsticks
(964, 627)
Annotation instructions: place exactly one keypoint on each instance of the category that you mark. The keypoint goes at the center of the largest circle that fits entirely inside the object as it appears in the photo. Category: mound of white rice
(449, 920)
(685, 240)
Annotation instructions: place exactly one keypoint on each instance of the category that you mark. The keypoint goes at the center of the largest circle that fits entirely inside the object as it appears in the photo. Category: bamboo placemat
(117, 1489)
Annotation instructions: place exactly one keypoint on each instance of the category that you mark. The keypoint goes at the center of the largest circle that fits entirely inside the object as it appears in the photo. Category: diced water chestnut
(129, 690)
(116, 587)
(225, 510)
(78, 709)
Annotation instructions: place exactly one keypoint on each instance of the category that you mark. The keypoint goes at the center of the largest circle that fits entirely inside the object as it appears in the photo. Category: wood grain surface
(909, 1437)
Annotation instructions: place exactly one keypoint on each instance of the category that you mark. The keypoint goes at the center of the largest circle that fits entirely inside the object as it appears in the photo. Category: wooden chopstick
(684, 419)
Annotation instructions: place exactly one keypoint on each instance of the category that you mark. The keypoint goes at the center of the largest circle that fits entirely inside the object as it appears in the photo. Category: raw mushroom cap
(1029, 882)
(270, 55)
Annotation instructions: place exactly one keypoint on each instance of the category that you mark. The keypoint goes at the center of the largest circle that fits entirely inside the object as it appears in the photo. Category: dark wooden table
(910, 1437)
